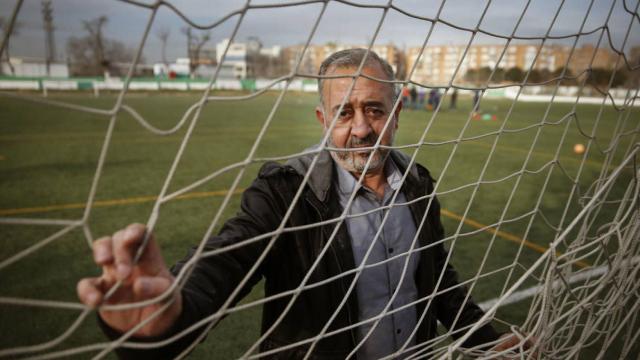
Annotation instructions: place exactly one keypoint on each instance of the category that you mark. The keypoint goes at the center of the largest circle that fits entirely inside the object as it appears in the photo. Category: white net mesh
(566, 274)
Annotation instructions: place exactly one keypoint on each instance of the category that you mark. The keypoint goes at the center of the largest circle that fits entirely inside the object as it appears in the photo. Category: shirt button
(398, 331)
(390, 250)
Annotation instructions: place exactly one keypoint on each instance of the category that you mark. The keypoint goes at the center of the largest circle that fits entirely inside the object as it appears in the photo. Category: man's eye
(344, 114)
(375, 112)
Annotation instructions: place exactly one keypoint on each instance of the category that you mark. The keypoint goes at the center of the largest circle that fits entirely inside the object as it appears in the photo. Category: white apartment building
(235, 61)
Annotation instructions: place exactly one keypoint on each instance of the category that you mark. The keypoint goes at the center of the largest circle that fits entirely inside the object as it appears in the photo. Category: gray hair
(352, 58)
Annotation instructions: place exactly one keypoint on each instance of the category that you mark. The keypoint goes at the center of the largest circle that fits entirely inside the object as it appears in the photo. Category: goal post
(536, 183)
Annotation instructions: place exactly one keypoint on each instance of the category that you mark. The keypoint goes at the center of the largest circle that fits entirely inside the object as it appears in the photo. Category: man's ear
(396, 113)
(320, 115)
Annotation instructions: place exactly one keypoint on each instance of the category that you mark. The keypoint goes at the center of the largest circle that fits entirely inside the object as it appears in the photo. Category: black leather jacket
(292, 254)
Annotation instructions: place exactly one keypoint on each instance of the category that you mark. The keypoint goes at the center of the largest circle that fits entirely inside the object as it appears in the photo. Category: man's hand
(145, 280)
(515, 342)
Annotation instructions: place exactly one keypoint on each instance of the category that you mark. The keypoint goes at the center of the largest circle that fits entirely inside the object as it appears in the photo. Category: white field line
(530, 292)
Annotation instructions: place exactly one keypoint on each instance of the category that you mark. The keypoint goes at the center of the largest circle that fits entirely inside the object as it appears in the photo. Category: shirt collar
(347, 182)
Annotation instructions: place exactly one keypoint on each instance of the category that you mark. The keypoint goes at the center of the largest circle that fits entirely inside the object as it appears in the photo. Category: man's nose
(360, 126)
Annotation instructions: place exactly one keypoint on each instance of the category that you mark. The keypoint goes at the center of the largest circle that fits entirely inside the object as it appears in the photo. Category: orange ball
(578, 149)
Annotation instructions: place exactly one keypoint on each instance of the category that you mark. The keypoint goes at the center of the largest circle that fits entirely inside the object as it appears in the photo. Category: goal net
(536, 172)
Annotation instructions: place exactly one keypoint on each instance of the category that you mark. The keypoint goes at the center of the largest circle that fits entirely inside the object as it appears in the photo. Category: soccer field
(48, 159)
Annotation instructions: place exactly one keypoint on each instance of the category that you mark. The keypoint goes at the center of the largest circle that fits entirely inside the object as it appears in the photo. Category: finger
(125, 246)
(149, 287)
(136, 228)
(151, 261)
(102, 253)
(530, 342)
(90, 292)
(122, 255)
(507, 341)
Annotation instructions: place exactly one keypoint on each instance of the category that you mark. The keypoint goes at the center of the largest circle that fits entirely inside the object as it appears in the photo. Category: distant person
(405, 95)
(422, 93)
(432, 99)
(454, 99)
(436, 98)
(476, 100)
(414, 97)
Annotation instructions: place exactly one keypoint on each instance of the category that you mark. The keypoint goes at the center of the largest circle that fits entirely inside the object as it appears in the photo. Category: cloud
(340, 22)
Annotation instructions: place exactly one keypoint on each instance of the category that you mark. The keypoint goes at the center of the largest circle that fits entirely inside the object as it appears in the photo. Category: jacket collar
(322, 174)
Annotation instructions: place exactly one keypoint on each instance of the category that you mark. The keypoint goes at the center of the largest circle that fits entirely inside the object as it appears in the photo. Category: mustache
(367, 141)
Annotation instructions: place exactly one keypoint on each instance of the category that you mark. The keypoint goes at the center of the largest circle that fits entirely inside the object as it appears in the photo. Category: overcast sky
(340, 22)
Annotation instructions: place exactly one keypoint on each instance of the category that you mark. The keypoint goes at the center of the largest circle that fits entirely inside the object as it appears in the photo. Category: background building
(582, 57)
(248, 60)
(21, 66)
(437, 64)
(235, 61)
(315, 54)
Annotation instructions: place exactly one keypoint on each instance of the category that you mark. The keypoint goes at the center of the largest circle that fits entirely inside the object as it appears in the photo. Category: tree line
(599, 77)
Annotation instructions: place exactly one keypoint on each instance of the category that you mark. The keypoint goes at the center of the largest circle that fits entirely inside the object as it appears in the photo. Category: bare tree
(194, 47)
(94, 27)
(49, 28)
(163, 34)
(5, 27)
(94, 54)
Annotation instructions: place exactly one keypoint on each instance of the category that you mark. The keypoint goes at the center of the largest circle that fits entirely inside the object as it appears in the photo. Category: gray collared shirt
(377, 284)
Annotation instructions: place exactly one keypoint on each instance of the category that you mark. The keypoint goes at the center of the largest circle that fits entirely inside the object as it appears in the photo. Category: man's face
(362, 118)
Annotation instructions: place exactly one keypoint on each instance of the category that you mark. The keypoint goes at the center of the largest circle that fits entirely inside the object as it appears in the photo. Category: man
(395, 263)
(454, 99)
(414, 97)
(477, 95)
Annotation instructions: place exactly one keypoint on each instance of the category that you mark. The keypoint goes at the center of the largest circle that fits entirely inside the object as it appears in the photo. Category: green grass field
(48, 157)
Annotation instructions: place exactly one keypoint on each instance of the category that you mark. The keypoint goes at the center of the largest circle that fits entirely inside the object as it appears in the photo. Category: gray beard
(355, 162)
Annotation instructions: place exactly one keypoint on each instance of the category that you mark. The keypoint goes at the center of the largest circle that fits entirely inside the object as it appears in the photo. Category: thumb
(146, 287)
